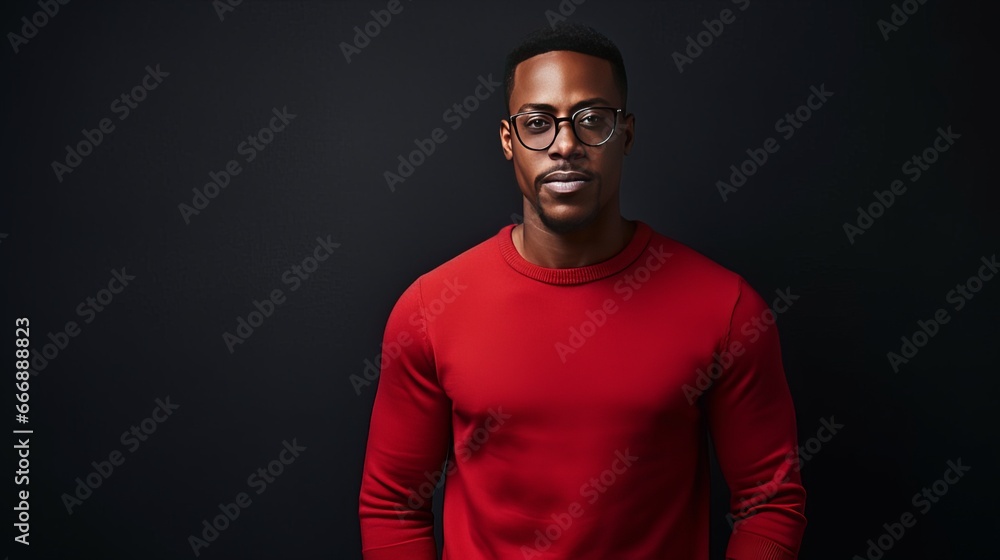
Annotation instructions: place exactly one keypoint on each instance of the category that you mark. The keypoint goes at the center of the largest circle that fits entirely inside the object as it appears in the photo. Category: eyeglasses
(537, 130)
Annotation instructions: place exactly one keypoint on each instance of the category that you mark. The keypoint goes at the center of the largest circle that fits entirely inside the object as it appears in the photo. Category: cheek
(610, 167)
(609, 174)
(525, 173)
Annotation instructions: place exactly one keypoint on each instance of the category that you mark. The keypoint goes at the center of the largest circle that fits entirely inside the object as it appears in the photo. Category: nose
(566, 143)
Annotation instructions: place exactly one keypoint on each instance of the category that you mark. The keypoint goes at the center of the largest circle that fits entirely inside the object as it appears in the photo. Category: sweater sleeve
(752, 423)
(407, 440)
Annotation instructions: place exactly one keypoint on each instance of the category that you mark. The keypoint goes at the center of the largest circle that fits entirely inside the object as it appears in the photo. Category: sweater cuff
(748, 546)
(420, 549)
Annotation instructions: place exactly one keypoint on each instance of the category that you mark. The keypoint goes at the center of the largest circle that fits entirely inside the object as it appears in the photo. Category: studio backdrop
(209, 209)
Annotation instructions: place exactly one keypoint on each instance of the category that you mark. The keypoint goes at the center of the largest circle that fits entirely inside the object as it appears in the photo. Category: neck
(604, 238)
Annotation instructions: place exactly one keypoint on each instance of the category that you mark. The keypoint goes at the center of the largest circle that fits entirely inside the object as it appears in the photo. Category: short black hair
(566, 36)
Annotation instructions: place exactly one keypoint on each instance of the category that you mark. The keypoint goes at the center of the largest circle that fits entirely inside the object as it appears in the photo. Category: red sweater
(573, 406)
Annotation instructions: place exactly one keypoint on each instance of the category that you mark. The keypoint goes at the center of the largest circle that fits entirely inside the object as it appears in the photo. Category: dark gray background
(323, 176)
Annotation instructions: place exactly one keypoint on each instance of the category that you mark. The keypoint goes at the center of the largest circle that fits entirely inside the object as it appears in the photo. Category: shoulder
(450, 278)
(714, 292)
(484, 254)
(695, 270)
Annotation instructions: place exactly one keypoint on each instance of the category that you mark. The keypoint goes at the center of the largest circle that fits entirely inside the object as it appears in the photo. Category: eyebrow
(552, 109)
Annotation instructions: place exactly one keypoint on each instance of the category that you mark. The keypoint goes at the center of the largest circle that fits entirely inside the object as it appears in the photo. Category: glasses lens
(536, 130)
(594, 126)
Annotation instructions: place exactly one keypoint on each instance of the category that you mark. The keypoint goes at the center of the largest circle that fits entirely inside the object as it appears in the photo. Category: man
(573, 365)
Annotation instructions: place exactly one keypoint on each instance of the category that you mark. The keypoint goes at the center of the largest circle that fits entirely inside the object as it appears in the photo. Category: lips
(565, 181)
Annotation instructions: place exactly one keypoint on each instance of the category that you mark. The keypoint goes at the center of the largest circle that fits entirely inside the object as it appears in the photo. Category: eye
(537, 123)
(592, 119)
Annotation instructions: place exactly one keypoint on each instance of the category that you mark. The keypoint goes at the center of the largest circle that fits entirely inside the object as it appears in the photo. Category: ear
(628, 131)
(505, 139)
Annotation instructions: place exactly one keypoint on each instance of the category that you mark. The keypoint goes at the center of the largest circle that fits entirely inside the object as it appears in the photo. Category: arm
(752, 422)
(409, 436)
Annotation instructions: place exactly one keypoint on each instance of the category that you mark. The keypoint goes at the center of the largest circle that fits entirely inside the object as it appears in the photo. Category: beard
(563, 225)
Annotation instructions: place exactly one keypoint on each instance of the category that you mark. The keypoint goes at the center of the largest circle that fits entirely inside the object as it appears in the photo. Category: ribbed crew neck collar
(577, 275)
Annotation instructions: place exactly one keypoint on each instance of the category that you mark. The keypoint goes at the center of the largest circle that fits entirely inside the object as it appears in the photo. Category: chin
(567, 215)
(567, 222)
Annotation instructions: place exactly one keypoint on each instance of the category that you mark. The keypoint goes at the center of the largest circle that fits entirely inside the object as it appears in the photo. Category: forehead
(561, 78)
